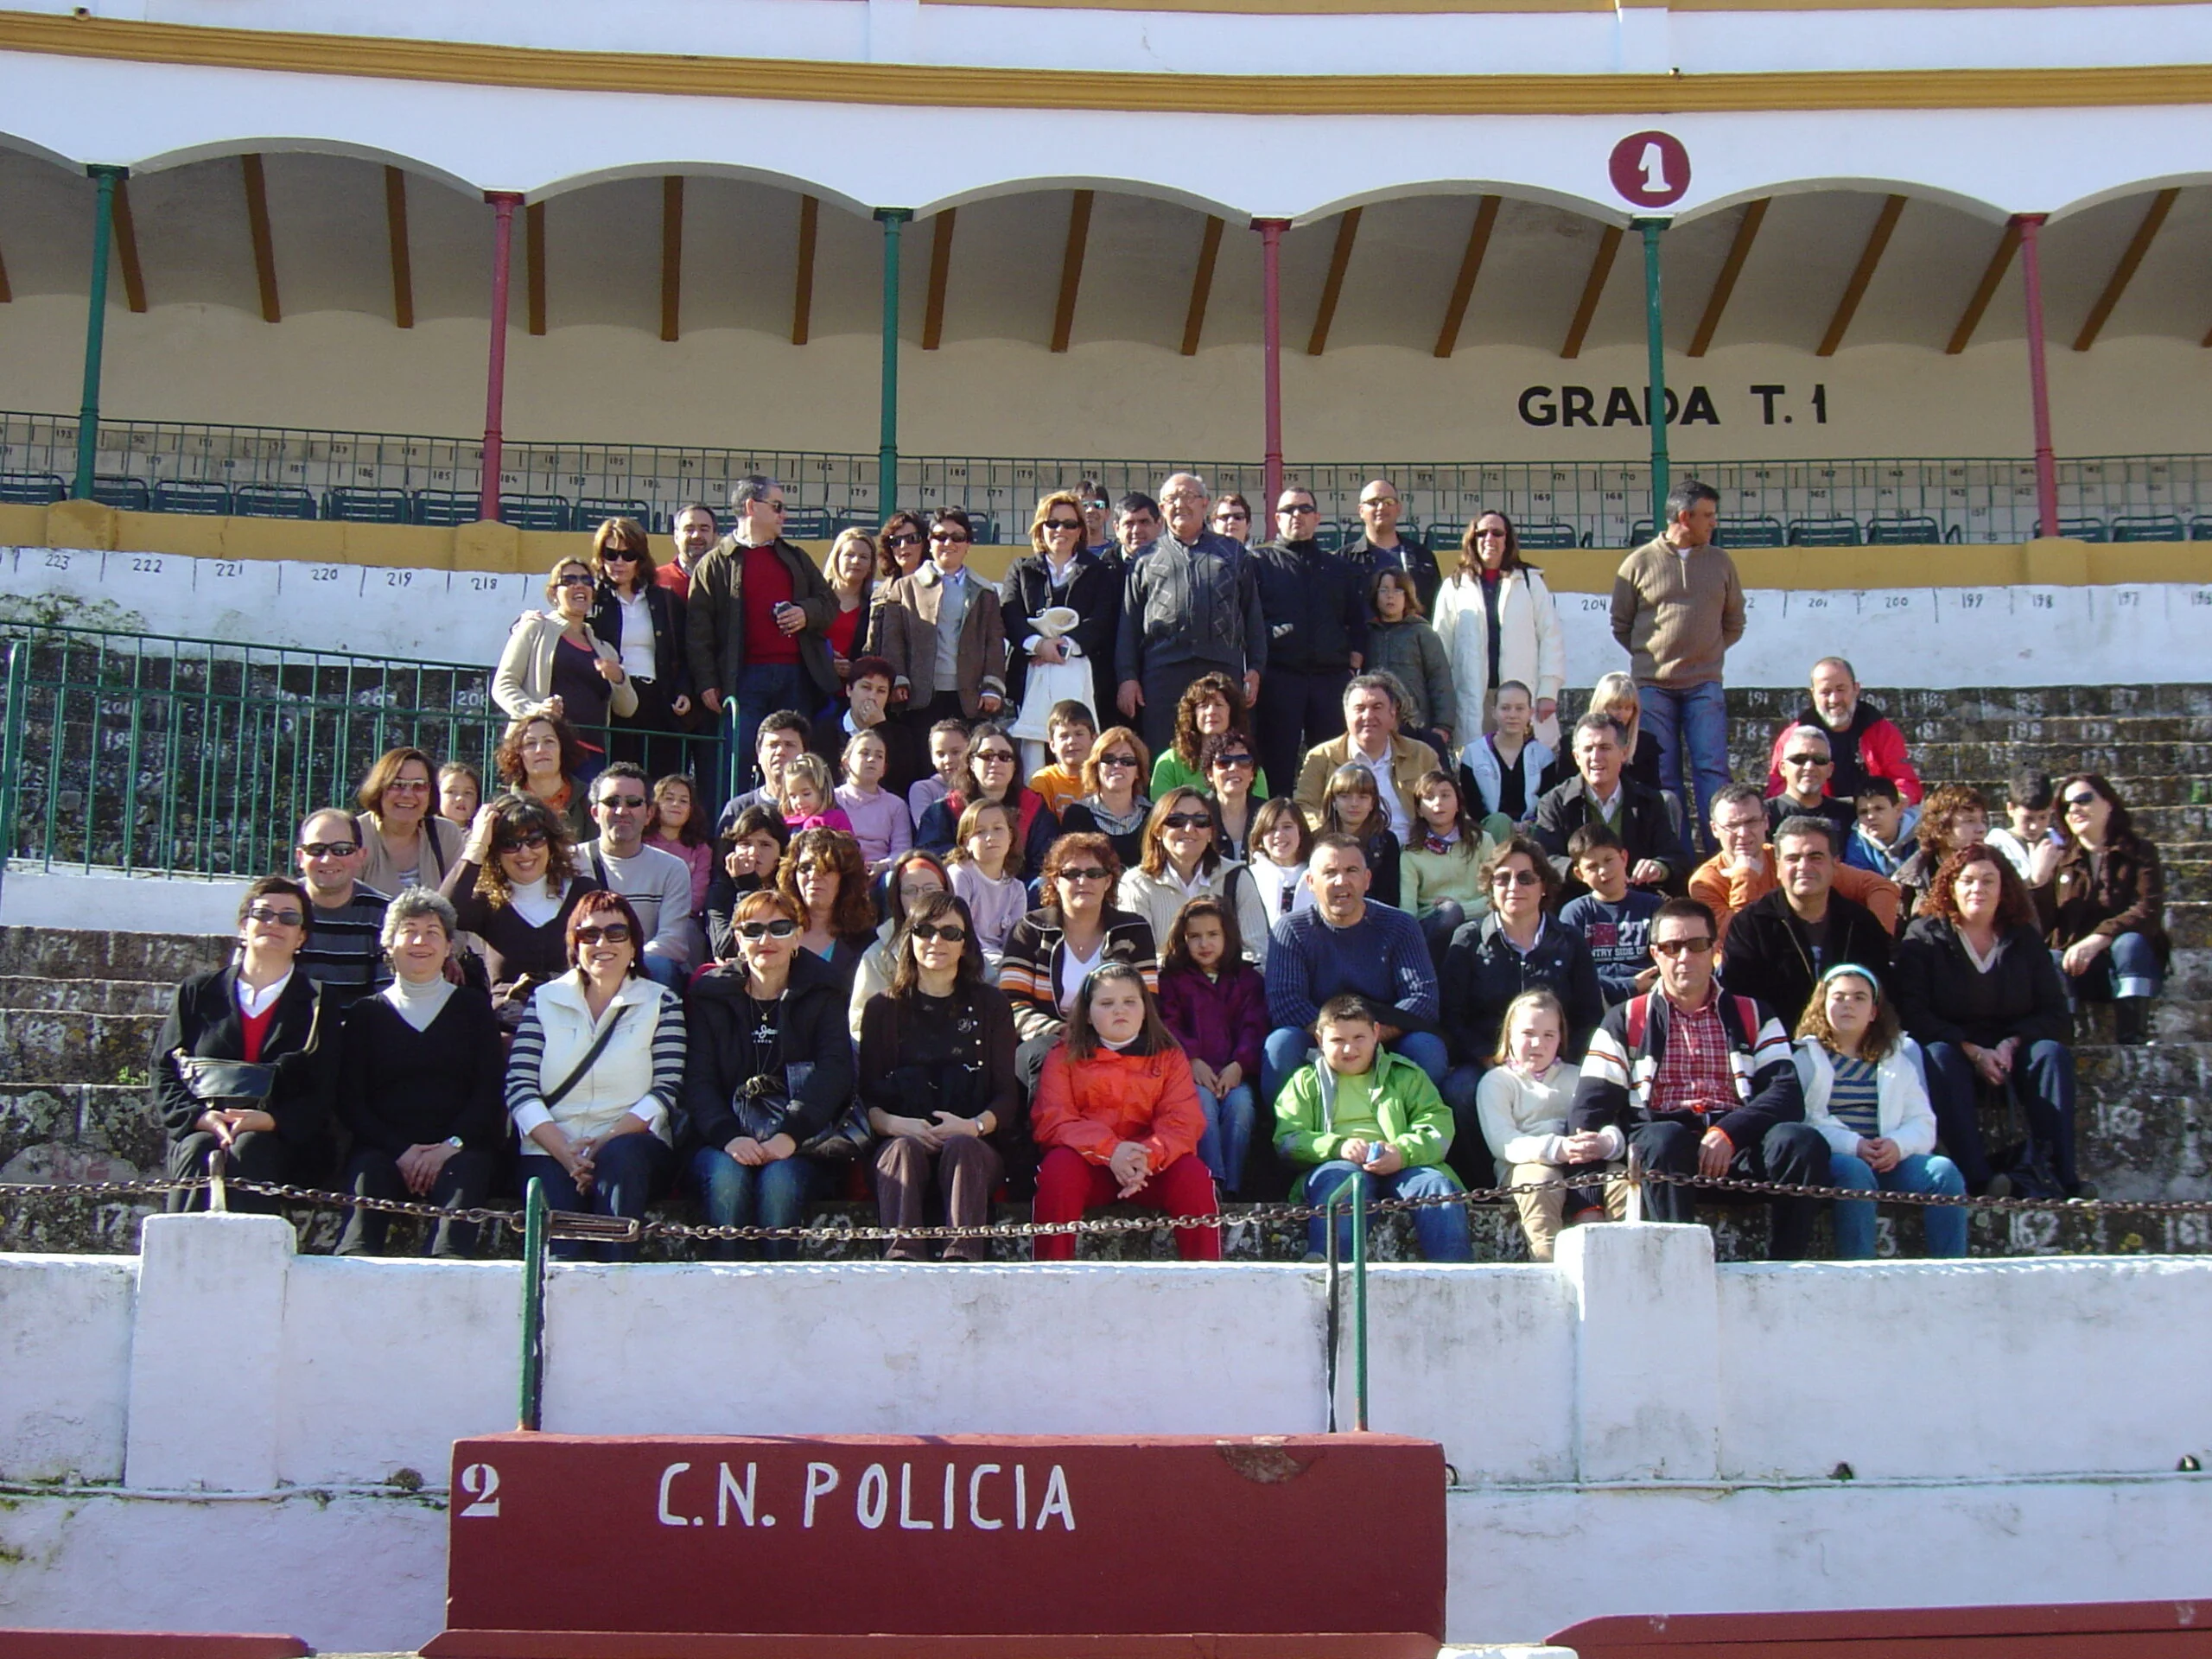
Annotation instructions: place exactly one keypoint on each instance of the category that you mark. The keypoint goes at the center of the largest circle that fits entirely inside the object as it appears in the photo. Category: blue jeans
(2043, 1072)
(1288, 1046)
(2128, 967)
(629, 1173)
(732, 1194)
(1228, 1139)
(762, 691)
(1470, 1156)
(1697, 716)
(1922, 1172)
(665, 971)
(1440, 1229)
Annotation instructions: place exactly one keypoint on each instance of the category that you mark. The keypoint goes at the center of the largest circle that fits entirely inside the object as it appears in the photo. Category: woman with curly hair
(1954, 816)
(1979, 993)
(539, 756)
(825, 876)
(900, 547)
(2107, 906)
(1214, 703)
(514, 888)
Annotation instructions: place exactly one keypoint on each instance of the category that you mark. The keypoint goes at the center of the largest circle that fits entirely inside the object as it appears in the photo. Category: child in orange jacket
(1117, 1116)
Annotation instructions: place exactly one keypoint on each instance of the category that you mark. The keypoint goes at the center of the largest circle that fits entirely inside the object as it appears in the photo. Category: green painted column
(1655, 336)
(88, 417)
(894, 220)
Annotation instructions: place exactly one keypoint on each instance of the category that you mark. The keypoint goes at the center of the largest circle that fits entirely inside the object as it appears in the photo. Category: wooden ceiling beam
(1593, 289)
(1332, 290)
(126, 248)
(810, 215)
(2007, 245)
(533, 264)
(1747, 231)
(2124, 272)
(671, 256)
(1071, 269)
(403, 260)
(940, 271)
(1862, 274)
(1194, 320)
(265, 245)
(1470, 266)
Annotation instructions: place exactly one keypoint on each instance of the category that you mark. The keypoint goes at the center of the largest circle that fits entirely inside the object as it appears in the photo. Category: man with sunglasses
(940, 631)
(1316, 613)
(1382, 548)
(1700, 1083)
(344, 951)
(1189, 606)
(1808, 763)
(657, 884)
(757, 628)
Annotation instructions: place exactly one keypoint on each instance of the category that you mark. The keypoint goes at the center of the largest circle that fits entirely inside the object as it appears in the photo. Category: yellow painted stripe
(2057, 563)
(470, 64)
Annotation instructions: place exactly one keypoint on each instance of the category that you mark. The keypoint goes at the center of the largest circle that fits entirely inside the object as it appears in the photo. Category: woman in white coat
(1491, 581)
(1865, 1093)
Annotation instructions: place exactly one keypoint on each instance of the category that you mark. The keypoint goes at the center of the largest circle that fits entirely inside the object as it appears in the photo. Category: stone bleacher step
(68, 1045)
(161, 958)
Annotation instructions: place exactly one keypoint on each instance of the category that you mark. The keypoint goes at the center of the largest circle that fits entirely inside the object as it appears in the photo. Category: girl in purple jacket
(1216, 1004)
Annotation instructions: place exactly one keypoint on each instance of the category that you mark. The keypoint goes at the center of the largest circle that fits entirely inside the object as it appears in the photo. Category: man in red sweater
(1862, 741)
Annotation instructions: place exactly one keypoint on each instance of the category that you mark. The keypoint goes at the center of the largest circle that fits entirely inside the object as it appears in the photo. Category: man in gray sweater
(1189, 607)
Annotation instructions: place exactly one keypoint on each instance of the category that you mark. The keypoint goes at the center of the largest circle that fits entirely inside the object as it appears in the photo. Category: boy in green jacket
(1361, 1110)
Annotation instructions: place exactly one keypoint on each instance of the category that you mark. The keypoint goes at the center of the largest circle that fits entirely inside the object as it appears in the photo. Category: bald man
(1382, 548)
(1189, 607)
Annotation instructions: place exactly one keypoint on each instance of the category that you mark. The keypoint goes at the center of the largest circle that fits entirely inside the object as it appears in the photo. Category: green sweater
(1414, 1118)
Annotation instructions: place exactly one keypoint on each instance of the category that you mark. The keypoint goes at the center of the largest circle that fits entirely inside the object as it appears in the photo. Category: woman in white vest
(1492, 582)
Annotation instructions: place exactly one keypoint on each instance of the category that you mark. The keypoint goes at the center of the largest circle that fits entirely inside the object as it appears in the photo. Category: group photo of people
(1185, 865)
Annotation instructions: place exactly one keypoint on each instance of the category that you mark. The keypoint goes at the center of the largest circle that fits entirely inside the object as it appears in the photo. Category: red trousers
(1068, 1183)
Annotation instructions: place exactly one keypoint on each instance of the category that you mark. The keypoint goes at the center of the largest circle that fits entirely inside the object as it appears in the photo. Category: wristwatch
(454, 1140)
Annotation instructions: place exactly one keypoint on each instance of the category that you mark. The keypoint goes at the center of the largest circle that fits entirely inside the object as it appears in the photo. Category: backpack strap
(1639, 1018)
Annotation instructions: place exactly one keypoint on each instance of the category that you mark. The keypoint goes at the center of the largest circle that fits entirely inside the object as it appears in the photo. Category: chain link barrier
(616, 1229)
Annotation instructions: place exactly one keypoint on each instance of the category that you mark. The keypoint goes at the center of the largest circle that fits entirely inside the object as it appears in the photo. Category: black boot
(2131, 1019)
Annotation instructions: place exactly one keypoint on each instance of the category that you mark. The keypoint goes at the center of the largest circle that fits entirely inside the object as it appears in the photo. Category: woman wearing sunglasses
(1181, 862)
(1059, 571)
(643, 623)
(554, 656)
(900, 547)
(516, 888)
(994, 774)
(593, 1077)
(941, 635)
(936, 1064)
(240, 1064)
(771, 1070)
(2108, 905)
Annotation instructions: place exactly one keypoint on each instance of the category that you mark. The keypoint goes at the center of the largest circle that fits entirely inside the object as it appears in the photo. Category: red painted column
(2038, 373)
(1271, 232)
(504, 203)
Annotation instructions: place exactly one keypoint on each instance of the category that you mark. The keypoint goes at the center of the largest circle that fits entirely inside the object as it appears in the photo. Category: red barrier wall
(2123, 1630)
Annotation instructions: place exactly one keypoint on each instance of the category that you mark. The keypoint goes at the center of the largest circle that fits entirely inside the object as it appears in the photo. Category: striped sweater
(640, 1072)
(1622, 1062)
(1029, 971)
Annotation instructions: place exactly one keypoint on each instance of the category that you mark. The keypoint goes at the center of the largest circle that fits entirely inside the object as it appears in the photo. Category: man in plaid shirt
(1699, 1082)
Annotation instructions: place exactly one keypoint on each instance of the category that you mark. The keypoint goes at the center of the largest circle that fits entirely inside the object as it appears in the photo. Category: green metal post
(1655, 334)
(11, 746)
(886, 465)
(1359, 1302)
(533, 1305)
(88, 418)
(1335, 1313)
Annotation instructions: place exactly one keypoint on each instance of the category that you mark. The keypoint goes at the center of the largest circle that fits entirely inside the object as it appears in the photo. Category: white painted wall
(1633, 1429)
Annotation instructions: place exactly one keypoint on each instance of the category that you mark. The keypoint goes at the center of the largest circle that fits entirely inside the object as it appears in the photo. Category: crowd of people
(1171, 869)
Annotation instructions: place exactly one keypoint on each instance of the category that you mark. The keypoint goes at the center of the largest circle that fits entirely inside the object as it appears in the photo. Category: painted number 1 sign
(1651, 169)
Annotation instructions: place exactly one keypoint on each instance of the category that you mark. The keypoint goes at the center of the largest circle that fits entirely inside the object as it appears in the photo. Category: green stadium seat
(355, 506)
(445, 508)
(2200, 529)
(32, 489)
(130, 494)
(590, 514)
(1332, 538)
(1903, 530)
(192, 495)
(807, 523)
(2080, 529)
(2148, 527)
(1642, 531)
(847, 519)
(1762, 530)
(984, 528)
(274, 501)
(535, 511)
(1824, 532)
(1550, 535)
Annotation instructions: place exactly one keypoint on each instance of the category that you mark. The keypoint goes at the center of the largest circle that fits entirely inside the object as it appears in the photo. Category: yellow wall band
(475, 64)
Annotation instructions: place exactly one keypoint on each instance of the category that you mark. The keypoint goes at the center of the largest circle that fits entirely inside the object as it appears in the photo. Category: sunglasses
(577, 581)
(1117, 762)
(1806, 760)
(1232, 513)
(1514, 878)
(1098, 506)
(951, 932)
(1232, 760)
(1672, 948)
(622, 800)
(1490, 535)
(994, 757)
(276, 918)
(407, 786)
(2083, 799)
(1062, 523)
(1086, 873)
(905, 539)
(782, 928)
(330, 848)
(1301, 506)
(618, 556)
(525, 839)
(772, 506)
(938, 537)
(613, 933)
(1187, 821)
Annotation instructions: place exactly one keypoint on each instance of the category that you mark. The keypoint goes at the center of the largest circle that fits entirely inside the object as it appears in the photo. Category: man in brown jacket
(1678, 605)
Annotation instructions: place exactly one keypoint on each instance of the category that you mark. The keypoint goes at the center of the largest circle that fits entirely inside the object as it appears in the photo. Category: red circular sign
(1651, 169)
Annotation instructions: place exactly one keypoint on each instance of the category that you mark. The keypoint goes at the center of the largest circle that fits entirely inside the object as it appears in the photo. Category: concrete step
(27, 993)
(1922, 704)
(55, 953)
(69, 1045)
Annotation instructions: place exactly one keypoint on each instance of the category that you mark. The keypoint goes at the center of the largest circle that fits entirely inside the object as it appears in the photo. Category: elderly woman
(554, 656)
(515, 889)
(643, 622)
(936, 1070)
(595, 1073)
(1498, 622)
(770, 1075)
(943, 616)
(1980, 994)
(241, 1063)
(1181, 862)
(404, 843)
(419, 1082)
(2107, 906)
(540, 755)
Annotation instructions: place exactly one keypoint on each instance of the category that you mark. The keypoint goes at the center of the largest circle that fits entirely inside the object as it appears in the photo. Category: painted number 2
(481, 1481)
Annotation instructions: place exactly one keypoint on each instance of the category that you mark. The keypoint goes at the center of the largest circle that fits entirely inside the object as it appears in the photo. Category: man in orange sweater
(1743, 871)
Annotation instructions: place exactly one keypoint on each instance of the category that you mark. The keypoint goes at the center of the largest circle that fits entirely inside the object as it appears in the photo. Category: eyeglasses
(1187, 821)
(906, 538)
(1084, 873)
(1099, 505)
(951, 932)
(1672, 948)
(330, 848)
(530, 839)
(1297, 507)
(613, 933)
(994, 757)
(622, 800)
(772, 506)
(407, 786)
(618, 556)
(937, 538)
(782, 928)
(1232, 760)
(2086, 798)
(1806, 760)
(275, 917)
(1514, 878)
(1117, 763)
(1055, 524)
(1380, 501)
(1490, 535)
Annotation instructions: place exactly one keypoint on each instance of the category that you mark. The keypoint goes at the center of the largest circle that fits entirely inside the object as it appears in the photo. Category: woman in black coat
(622, 559)
(1060, 572)
(272, 1114)
(1980, 994)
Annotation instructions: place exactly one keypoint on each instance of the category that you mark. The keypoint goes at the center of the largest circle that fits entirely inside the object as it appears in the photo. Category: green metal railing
(1595, 503)
(1353, 1189)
